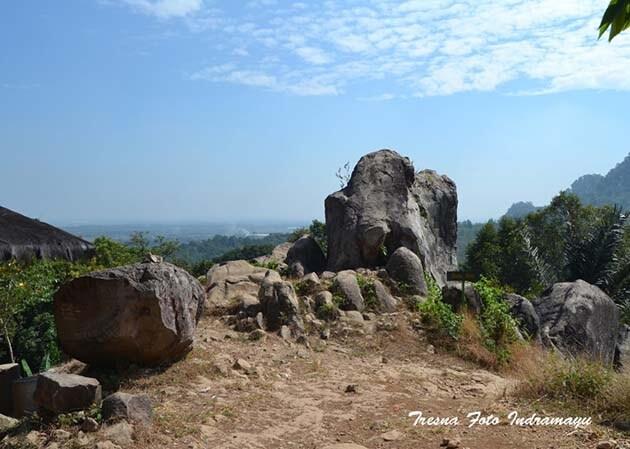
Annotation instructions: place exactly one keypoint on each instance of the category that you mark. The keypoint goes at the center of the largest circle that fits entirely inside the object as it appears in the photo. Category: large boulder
(63, 393)
(9, 373)
(578, 318)
(279, 304)
(387, 205)
(144, 313)
(522, 310)
(305, 256)
(406, 268)
(230, 281)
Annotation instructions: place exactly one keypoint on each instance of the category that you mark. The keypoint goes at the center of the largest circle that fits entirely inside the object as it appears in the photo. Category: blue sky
(177, 110)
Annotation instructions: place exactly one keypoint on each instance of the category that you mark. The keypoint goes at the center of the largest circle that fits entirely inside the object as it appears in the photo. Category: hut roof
(24, 238)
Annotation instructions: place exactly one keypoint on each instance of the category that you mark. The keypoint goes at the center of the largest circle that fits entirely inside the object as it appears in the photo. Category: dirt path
(358, 387)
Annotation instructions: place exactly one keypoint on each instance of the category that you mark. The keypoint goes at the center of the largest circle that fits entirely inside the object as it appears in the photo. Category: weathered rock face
(523, 311)
(229, 282)
(63, 393)
(305, 256)
(406, 268)
(579, 319)
(387, 205)
(144, 313)
(131, 407)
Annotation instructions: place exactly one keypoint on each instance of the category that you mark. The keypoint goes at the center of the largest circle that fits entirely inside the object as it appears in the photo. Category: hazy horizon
(137, 111)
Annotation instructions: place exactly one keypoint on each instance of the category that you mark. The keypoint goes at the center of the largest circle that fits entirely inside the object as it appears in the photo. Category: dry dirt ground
(357, 387)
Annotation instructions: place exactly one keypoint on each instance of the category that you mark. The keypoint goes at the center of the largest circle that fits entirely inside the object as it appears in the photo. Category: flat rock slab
(63, 393)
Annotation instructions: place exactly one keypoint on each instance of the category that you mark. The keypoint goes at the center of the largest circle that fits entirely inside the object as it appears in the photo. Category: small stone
(257, 334)
(285, 333)
(607, 444)
(431, 349)
(106, 445)
(393, 435)
(7, 423)
(61, 435)
(369, 316)
(53, 445)
(325, 334)
(354, 316)
(120, 433)
(384, 360)
(135, 408)
(260, 320)
(242, 365)
(63, 393)
(352, 388)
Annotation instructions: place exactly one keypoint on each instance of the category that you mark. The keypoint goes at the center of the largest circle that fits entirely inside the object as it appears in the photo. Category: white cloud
(166, 9)
(413, 47)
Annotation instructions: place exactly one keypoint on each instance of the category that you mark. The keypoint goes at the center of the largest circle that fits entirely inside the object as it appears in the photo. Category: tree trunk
(6, 335)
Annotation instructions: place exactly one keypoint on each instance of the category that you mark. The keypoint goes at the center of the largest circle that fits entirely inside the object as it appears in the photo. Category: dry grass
(572, 383)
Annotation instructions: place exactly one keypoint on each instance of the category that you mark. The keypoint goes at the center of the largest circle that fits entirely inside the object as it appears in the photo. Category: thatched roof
(24, 238)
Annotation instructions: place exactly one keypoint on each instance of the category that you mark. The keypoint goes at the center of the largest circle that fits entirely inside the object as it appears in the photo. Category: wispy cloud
(416, 47)
(166, 9)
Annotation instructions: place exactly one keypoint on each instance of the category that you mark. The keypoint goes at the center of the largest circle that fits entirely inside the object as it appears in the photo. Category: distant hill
(614, 188)
(521, 209)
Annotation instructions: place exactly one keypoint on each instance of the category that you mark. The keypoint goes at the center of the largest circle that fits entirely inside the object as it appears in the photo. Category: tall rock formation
(387, 205)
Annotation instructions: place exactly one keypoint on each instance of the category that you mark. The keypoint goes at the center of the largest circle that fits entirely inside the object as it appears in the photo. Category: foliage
(245, 253)
(482, 255)
(439, 315)
(216, 246)
(368, 291)
(498, 328)
(616, 17)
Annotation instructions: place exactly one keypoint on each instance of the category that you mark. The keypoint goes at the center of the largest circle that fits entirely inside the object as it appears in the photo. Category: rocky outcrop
(387, 205)
(522, 310)
(406, 268)
(277, 256)
(579, 319)
(144, 313)
(305, 256)
(63, 393)
(130, 407)
(24, 239)
(229, 282)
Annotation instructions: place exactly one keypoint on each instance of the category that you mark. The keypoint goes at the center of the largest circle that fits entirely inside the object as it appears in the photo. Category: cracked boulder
(144, 313)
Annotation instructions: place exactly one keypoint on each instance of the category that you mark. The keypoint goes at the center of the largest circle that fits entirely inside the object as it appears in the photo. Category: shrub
(498, 328)
(439, 315)
(368, 291)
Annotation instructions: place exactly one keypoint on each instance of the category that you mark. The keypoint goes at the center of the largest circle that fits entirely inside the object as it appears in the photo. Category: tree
(616, 17)
(482, 255)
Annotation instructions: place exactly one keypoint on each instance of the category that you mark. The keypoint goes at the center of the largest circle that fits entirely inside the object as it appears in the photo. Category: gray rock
(406, 268)
(452, 295)
(8, 374)
(228, 282)
(7, 424)
(280, 305)
(131, 407)
(386, 302)
(305, 256)
(328, 275)
(90, 425)
(524, 313)
(622, 351)
(354, 317)
(249, 306)
(310, 282)
(120, 433)
(63, 393)
(387, 205)
(347, 286)
(325, 308)
(143, 313)
(577, 318)
(278, 255)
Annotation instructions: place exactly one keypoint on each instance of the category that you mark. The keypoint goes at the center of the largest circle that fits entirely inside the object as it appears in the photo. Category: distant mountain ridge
(614, 188)
(594, 189)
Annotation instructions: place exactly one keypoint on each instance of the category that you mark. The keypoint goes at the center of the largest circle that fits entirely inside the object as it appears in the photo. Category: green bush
(368, 291)
(439, 315)
(498, 328)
